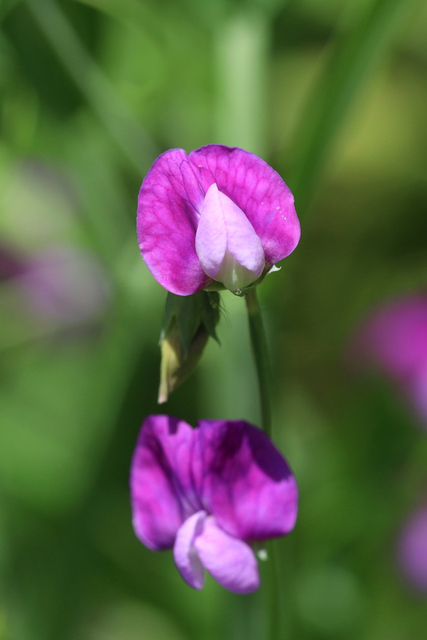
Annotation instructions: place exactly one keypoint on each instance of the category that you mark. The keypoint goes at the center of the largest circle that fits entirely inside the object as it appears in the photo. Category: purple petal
(416, 389)
(396, 335)
(246, 483)
(167, 219)
(257, 190)
(230, 561)
(64, 284)
(395, 339)
(413, 550)
(162, 487)
(185, 554)
(226, 243)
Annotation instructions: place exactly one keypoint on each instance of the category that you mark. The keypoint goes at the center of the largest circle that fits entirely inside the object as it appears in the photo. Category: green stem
(259, 349)
(275, 592)
(277, 628)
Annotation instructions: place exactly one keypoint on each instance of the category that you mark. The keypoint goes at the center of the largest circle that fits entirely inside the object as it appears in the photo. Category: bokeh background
(333, 94)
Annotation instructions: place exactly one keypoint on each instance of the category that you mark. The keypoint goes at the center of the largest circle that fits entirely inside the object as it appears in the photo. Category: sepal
(188, 323)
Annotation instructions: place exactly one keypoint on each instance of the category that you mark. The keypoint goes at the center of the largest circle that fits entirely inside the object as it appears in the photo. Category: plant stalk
(262, 364)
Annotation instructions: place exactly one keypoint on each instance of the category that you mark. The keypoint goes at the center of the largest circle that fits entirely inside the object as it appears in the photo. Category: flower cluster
(208, 493)
(217, 218)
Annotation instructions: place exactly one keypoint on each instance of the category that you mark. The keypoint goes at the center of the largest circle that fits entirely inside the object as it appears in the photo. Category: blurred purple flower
(11, 262)
(412, 550)
(66, 284)
(62, 285)
(209, 492)
(219, 213)
(395, 339)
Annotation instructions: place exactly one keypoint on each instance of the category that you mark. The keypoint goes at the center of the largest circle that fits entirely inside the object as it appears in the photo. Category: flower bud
(187, 324)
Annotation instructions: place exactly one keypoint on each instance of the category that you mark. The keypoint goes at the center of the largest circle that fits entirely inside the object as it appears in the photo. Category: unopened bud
(188, 322)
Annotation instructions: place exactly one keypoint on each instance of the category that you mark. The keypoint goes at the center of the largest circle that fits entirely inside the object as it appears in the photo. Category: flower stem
(259, 349)
(275, 595)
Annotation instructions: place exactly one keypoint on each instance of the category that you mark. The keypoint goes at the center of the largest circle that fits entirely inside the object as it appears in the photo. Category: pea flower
(61, 285)
(208, 493)
(219, 214)
(395, 339)
(412, 550)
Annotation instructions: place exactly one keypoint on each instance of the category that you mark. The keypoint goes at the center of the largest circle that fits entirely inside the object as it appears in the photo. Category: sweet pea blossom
(412, 550)
(208, 493)
(394, 338)
(60, 285)
(219, 214)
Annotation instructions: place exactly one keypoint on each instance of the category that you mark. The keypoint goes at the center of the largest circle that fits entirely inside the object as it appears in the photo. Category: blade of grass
(241, 65)
(114, 114)
(354, 60)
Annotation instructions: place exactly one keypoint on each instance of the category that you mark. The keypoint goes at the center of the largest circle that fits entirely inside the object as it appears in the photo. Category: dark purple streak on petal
(162, 486)
(245, 482)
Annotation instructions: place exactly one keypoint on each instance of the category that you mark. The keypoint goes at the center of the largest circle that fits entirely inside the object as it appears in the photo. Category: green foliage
(333, 94)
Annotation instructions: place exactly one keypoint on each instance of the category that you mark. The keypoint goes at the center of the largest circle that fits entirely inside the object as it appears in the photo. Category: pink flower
(208, 493)
(219, 213)
(61, 285)
(65, 285)
(412, 550)
(395, 339)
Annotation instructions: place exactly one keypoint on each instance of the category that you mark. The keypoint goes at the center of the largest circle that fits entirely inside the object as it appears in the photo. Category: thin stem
(93, 83)
(275, 592)
(259, 349)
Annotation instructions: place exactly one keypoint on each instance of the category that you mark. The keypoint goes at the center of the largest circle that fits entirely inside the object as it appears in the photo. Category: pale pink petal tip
(228, 248)
(185, 554)
(230, 561)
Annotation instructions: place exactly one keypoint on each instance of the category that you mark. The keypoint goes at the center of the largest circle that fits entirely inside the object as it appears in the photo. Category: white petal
(184, 552)
(229, 560)
(228, 248)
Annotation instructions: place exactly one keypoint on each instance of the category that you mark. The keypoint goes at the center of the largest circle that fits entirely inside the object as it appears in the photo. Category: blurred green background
(333, 94)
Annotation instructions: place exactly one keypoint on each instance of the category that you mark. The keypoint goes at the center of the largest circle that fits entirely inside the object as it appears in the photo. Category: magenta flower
(208, 493)
(61, 285)
(219, 213)
(65, 285)
(395, 339)
(412, 550)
